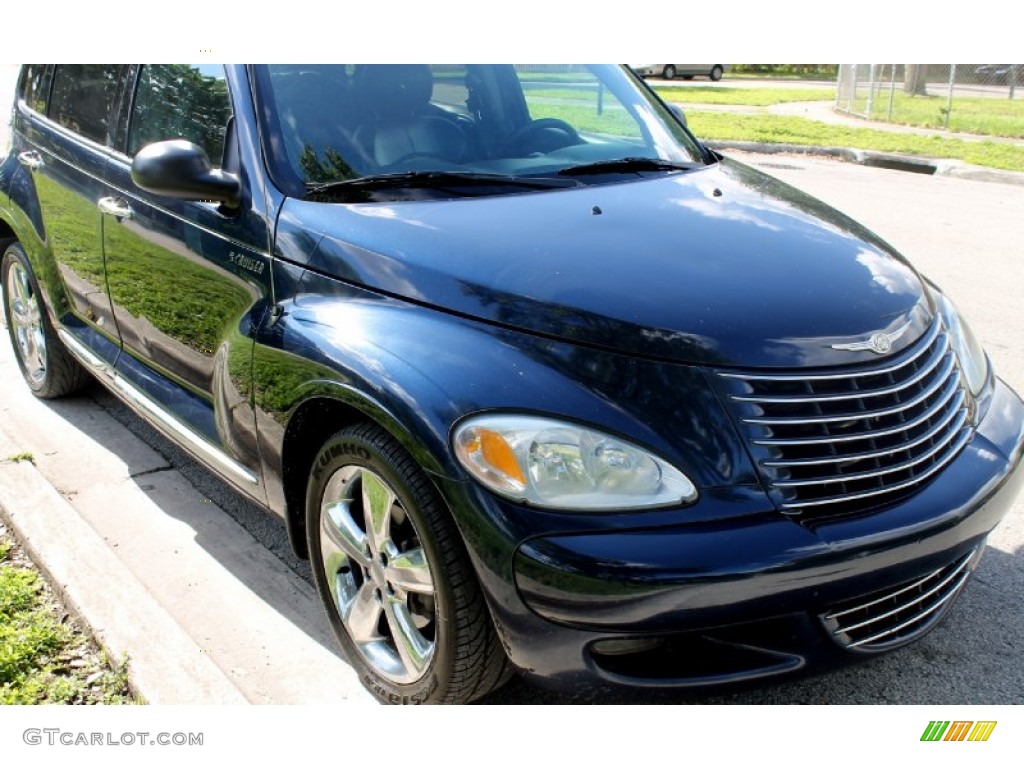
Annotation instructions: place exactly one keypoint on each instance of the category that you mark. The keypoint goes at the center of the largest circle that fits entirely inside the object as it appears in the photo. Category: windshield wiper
(628, 165)
(435, 180)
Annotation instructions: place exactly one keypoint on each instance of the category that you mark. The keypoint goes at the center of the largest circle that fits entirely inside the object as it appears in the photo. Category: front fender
(417, 371)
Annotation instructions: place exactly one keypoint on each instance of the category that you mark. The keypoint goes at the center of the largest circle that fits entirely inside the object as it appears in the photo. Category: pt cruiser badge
(880, 343)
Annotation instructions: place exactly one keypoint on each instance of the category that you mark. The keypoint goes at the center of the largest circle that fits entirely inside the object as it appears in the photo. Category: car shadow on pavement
(164, 489)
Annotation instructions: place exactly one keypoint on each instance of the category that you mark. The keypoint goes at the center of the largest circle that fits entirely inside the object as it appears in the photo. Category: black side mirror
(179, 168)
(676, 110)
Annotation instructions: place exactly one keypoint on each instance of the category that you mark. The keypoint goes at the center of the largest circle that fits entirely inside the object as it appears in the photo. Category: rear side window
(450, 91)
(181, 101)
(83, 97)
(34, 88)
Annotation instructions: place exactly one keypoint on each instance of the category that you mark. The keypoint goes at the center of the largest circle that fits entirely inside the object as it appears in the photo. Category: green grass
(779, 129)
(553, 77)
(775, 129)
(787, 71)
(987, 117)
(23, 456)
(41, 659)
(751, 97)
(585, 117)
(697, 94)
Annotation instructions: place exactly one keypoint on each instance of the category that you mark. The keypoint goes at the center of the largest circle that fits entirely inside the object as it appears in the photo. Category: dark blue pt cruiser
(536, 380)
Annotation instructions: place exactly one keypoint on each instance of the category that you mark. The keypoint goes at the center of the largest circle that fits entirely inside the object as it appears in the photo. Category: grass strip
(777, 129)
(44, 660)
(749, 97)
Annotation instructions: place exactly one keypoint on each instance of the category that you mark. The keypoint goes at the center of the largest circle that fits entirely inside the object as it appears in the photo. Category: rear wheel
(668, 72)
(716, 72)
(48, 368)
(396, 582)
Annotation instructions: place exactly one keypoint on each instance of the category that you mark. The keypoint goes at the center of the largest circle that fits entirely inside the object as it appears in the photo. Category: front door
(188, 279)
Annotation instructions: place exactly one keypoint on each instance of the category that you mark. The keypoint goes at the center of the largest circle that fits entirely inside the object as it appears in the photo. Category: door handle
(31, 160)
(115, 207)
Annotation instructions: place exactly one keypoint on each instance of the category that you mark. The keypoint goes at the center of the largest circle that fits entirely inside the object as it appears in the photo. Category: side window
(34, 88)
(181, 101)
(450, 90)
(83, 95)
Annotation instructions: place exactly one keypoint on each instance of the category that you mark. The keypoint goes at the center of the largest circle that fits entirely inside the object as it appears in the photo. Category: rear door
(63, 136)
(188, 280)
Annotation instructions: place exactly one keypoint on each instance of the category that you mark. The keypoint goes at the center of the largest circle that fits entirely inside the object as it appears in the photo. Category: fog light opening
(623, 646)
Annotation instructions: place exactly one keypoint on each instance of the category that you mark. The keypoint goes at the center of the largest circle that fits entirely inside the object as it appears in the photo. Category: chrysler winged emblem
(879, 343)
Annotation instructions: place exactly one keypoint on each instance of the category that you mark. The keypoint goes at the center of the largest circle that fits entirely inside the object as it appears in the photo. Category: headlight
(557, 465)
(972, 358)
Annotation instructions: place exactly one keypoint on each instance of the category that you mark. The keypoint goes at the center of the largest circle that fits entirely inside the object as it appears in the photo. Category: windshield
(342, 122)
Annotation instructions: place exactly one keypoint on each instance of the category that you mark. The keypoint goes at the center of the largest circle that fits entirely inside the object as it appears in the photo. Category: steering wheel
(544, 135)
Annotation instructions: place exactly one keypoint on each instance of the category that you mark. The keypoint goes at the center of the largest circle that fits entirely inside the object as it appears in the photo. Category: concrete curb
(101, 591)
(924, 165)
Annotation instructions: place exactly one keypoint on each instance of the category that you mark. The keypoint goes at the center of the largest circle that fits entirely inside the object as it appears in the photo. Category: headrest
(395, 90)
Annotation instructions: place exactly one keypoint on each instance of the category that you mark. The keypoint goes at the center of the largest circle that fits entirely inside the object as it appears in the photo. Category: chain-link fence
(985, 99)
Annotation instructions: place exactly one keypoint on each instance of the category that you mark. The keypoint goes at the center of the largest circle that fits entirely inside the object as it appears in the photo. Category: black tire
(47, 367)
(716, 72)
(668, 72)
(410, 579)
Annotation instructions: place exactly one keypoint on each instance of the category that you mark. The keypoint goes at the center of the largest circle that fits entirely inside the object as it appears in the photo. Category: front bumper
(728, 600)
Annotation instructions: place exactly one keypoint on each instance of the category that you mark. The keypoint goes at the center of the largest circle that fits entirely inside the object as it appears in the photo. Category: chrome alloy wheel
(26, 320)
(378, 574)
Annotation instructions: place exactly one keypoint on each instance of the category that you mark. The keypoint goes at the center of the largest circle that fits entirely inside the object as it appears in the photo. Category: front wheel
(668, 72)
(396, 582)
(716, 72)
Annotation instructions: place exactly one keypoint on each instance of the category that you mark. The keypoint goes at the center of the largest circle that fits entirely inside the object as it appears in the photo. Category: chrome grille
(846, 441)
(883, 620)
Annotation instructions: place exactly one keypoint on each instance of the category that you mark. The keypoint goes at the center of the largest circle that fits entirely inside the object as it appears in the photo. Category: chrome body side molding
(171, 425)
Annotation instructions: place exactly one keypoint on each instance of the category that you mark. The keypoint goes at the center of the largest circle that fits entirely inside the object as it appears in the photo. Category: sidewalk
(204, 613)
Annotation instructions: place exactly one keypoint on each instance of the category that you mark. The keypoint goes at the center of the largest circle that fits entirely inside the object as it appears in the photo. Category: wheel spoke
(362, 615)
(22, 289)
(378, 499)
(35, 360)
(409, 572)
(414, 649)
(20, 314)
(342, 531)
(16, 298)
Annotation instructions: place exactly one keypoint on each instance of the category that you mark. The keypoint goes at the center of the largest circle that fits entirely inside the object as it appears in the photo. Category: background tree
(915, 79)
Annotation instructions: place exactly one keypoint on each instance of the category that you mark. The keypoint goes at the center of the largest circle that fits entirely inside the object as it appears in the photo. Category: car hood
(723, 265)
